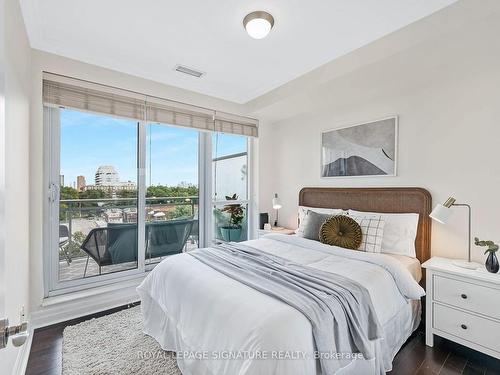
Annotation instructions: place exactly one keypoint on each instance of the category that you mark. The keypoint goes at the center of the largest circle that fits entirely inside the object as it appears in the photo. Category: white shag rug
(114, 344)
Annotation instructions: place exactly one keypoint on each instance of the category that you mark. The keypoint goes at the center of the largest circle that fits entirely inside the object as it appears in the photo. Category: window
(172, 192)
(98, 195)
(132, 181)
(230, 187)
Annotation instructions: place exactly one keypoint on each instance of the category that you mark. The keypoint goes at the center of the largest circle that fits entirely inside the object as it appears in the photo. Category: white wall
(442, 77)
(16, 163)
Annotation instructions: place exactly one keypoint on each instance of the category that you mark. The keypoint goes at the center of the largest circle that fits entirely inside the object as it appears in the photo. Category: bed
(218, 325)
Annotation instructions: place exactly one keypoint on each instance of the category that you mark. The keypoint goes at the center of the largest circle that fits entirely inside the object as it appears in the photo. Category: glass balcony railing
(79, 217)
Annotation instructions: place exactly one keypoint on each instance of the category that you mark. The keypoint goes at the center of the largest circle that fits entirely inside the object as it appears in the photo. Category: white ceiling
(148, 38)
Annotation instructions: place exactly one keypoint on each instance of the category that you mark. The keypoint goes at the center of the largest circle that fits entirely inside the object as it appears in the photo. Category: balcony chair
(167, 237)
(117, 243)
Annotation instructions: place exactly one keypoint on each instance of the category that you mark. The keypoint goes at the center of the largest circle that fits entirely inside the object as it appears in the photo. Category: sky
(89, 141)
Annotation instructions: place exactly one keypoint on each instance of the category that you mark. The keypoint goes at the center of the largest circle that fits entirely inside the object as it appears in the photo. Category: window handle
(53, 192)
(463, 326)
(464, 296)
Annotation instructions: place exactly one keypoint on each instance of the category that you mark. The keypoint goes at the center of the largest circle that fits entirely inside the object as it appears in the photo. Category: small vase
(492, 263)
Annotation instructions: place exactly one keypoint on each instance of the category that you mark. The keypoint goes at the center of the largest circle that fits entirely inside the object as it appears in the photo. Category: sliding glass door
(131, 180)
(93, 197)
(172, 191)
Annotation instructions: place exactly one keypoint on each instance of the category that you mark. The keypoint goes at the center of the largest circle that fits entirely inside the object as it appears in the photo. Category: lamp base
(466, 264)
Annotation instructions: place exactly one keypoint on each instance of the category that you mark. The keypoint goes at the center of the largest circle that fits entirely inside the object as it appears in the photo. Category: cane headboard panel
(386, 200)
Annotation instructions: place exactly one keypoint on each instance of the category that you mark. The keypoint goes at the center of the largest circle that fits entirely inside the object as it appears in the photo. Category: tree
(126, 194)
(68, 193)
(181, 190)
(93, 194)
(180, 212)
(73, 247)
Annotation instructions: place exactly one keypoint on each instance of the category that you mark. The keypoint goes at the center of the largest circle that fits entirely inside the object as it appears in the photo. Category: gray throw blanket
(340, 310)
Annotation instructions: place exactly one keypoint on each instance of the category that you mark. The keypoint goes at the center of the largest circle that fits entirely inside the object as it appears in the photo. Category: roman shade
(86, 97)
(229, 123)
(82, 95)
(175, 113)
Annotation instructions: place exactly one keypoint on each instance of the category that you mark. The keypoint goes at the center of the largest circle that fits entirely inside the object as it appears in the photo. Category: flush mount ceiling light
(258, 24)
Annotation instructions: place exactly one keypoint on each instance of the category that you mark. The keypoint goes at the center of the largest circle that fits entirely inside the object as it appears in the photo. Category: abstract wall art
(367, 149)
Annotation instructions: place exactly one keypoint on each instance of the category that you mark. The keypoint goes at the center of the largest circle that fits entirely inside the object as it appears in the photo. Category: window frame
(51, 196)
(52, 285)
(249, 198)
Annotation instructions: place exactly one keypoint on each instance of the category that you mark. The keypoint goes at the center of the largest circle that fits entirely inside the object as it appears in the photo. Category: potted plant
(232, 231)
(492, 261)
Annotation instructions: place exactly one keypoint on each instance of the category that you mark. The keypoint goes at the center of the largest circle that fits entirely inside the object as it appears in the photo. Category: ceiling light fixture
(258, 24)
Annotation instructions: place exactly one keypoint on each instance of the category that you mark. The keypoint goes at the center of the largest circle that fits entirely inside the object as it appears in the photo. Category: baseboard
(72, 308)
(23, 355)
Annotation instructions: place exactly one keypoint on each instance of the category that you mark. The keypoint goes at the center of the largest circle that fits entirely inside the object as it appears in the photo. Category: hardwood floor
(46, 349)
(414, 358)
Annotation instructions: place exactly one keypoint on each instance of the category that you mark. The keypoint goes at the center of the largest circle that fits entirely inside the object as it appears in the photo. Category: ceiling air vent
(189, 71)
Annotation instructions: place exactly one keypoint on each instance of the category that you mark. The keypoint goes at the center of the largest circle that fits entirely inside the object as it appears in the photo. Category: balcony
(80, 218)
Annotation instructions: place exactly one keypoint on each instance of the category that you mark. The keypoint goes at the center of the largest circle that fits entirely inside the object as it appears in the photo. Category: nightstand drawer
(480, 299)
(466, 326)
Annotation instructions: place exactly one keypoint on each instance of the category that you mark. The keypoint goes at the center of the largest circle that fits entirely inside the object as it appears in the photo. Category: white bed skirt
(159, 325)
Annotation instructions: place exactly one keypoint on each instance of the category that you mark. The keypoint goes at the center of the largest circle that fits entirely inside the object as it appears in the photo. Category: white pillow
(303, 212)
(400, 232)
(372, 229)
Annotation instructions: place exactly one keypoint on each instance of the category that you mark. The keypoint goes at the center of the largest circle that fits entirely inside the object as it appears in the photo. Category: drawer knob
(463, 326)
(464, 296)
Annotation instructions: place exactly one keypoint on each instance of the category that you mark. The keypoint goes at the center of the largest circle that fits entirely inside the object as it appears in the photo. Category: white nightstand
(279, 231)
(462, 305)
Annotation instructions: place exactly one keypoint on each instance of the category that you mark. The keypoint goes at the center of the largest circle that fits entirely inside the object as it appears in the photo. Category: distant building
(108, 179)
(61, 180)
(112, 188)
(106, 175)
(80, 183)
(113, 215)
(130, 215)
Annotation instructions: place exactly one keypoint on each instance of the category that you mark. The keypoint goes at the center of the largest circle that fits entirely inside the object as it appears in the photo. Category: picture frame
(366, 149)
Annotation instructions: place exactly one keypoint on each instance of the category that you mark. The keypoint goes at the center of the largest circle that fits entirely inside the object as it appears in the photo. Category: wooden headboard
(386, 200)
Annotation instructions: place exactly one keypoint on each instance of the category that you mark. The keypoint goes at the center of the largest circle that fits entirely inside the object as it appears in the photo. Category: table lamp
(441, 213)
(276, 206)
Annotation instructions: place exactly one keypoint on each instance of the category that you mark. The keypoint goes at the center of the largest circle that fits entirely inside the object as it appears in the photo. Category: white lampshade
(276, 202)
(440, 213)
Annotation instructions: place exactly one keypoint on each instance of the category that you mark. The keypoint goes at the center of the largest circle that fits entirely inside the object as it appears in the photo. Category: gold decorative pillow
(341, 231)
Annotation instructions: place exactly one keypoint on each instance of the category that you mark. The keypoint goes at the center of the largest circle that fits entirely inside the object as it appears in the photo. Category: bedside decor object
(276, 206)
(341, 231)
(441, 213)
(232, 231)
(367, 149)
(263, 219)
(273, 230)
(492, 261)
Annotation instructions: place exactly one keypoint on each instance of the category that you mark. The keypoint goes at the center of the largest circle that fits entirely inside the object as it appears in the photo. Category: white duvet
(219, 326)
